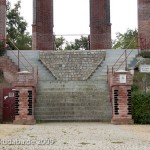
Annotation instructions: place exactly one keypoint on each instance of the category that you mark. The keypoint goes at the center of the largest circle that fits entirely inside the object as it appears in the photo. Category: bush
(145, 54)
(141, 107)
(135, 87)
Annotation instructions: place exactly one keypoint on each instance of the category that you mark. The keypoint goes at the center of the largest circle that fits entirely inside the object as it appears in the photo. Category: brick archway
(100, 26)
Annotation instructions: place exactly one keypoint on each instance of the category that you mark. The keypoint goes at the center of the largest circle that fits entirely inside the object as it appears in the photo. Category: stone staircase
(110, 59)
(73, 100)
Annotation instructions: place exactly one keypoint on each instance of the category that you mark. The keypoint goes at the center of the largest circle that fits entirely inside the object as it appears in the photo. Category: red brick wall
(100, 27)
(144, 21)
(24, 84)
(121, 98)
(9, 69)
(42, 31)
(2, 19)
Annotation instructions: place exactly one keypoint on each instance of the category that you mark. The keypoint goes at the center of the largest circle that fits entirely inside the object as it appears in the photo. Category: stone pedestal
(121, 82)
(24, 99)
(2, 20)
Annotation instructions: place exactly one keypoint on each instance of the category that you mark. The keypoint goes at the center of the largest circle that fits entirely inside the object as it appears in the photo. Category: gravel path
(75, 136)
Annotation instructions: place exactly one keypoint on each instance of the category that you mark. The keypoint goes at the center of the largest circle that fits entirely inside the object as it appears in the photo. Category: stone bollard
(24, 99)
(121, 82)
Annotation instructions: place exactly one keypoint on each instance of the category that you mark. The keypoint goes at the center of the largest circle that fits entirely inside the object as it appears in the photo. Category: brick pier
(100, 26)
(2, 19)
(144, 22)
(42, 28)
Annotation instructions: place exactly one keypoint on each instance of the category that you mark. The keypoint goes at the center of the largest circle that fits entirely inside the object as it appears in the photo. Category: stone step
(102, 118)
(72, 85)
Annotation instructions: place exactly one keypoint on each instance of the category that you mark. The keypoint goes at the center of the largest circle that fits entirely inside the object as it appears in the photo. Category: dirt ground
(76, 136)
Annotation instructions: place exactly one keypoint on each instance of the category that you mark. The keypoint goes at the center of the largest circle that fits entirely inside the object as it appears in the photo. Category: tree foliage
(128, 40)
(141, 107)
(78, 44)
(59, 43)
(16, 27)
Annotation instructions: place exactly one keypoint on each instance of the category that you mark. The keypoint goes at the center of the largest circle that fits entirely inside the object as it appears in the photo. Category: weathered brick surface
(2, 19)
(24, 117)
(24, 85)
(72, 65)
(42, 31)
(144, 21)
(9, 69)
(100, 27)
(121, 98)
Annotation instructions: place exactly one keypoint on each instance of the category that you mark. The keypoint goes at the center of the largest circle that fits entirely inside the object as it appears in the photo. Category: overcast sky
(72, 16)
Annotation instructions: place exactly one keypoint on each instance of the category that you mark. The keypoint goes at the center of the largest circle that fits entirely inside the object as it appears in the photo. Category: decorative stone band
(72, 65)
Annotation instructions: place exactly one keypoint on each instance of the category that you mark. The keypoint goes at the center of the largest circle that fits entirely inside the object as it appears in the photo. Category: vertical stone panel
(144, 21)
(100, 27)
(2, 19)
(42, 30)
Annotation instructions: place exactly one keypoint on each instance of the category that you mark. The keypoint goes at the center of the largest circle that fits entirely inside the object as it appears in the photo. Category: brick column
(121, 97)
(100, 26)
(144, 22)
(2, 20)
(42, 28)
(24, 99)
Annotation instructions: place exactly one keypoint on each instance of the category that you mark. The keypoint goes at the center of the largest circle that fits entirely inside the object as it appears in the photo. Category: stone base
(122, 121)
(24, 122)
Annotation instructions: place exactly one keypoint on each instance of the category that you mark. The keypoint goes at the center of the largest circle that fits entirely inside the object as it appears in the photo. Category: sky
(72, 16)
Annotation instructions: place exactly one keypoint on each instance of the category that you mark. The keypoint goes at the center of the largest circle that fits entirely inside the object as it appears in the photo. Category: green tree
(127, 40)
(59, 43)
(16, 27)
(78, 44)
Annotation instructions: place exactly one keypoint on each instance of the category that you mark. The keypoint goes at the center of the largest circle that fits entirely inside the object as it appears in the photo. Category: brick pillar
(144, 22)
(100, 26)
(2, 20)
(42, 28)
(24, 99)
(121, 97)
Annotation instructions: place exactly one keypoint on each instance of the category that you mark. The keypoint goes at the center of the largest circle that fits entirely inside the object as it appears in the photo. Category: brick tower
(2, 20)
(100, 26)
(42, 28)
(144, 22)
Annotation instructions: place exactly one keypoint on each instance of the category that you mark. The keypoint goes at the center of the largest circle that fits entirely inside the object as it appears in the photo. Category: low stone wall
(72, 65)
